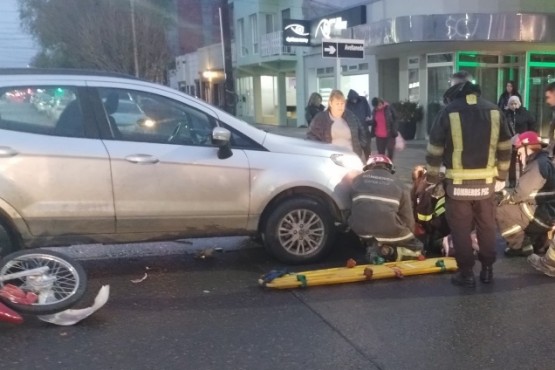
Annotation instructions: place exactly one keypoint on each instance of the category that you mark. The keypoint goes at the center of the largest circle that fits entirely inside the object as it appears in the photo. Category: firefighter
(381, 212)
(472, 139)
(527, 210)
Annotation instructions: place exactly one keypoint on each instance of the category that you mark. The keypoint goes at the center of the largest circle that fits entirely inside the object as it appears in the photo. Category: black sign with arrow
(353, 49)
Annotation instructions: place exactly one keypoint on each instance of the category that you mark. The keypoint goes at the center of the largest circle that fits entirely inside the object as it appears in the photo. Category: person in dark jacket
(384, 127)
(510, 90)
(528, 209)
(471, 138)
(381, 211)
(520, 120)
(361, 109)
(313, 107)
(339, 126)
(550, 100)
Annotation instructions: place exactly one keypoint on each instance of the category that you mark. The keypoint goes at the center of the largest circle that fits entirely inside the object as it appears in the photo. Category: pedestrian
(361, 109)
(526, 210)
(520, 120)
(313, 107)
(550, 100)
(381, 212)
(338, 126)
(385, 127)
(510, 90)
(471, 138)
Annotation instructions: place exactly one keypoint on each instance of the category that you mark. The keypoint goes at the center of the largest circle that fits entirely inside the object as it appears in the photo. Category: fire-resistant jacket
(472, 139)
(430, 211)
(381, 207)
(535, 190)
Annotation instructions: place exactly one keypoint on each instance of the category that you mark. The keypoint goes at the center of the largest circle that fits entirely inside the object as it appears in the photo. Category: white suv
(181, 168)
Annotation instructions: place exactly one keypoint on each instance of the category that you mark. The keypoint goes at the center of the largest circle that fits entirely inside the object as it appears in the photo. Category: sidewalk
(405, 160)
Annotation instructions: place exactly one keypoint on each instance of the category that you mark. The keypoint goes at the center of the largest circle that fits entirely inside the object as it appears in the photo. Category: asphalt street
(210, 313)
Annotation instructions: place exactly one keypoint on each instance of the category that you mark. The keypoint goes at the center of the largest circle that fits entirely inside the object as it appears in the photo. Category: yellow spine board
(342, 275)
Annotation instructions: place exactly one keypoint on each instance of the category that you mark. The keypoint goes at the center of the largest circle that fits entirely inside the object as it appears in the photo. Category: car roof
(64, 71)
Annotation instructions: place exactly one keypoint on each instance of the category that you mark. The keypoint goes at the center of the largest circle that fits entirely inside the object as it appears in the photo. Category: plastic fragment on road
(72, 316)
(135, 281)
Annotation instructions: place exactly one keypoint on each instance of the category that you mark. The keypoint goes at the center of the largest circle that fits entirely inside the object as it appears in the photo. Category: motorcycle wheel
(58, 289)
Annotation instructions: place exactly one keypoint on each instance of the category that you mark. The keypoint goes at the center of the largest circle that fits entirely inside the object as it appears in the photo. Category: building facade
(410, 53)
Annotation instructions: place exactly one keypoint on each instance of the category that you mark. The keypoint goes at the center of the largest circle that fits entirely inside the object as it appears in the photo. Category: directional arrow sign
(329, 49)
(343, 49)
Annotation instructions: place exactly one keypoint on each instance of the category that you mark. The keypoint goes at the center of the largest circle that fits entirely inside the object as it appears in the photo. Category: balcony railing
(271, 44)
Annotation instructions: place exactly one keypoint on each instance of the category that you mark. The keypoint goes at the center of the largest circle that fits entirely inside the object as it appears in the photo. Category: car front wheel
(300, 230)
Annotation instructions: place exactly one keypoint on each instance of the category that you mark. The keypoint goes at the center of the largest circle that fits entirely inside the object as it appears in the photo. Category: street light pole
(134, 38)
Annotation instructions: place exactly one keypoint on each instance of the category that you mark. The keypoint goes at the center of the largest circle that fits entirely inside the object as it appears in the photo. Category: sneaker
(522, 252)
(537, 263)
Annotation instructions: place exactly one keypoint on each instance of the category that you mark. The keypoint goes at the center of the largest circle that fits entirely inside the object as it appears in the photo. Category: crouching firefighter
(528, 209)
(381, 213)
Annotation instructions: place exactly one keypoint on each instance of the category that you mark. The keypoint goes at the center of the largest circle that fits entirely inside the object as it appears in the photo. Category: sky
(16, 47)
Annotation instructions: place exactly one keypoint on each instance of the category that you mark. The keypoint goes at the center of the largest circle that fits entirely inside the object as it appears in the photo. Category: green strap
(302, 280)
(441, 264)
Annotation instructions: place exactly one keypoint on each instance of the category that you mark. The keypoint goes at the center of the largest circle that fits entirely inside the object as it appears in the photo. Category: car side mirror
(221, 138)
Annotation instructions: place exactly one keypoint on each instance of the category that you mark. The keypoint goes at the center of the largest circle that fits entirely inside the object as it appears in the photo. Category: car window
(144, 117)
(42, 110)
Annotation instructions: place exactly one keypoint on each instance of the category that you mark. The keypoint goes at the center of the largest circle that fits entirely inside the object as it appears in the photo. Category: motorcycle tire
(57, 290)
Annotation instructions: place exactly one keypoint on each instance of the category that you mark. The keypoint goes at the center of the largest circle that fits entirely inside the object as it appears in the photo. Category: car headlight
(349, 161)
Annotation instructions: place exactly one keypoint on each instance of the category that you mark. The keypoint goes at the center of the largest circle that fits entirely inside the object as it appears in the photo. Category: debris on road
(72, 317)
(135, 281)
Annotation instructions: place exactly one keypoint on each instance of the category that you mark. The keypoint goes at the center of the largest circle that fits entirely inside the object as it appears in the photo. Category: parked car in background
(188, 170)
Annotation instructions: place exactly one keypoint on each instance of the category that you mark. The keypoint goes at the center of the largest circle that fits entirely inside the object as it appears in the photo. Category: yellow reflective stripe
(371, 197)
(472, 174)
(494, 136)
(439, 212)
(503, 165)
(456, 136)
(511, 231)
(385, 240)
(424, 218)
(440, 202)
(531, 217)
(505, 145)
(435, 150)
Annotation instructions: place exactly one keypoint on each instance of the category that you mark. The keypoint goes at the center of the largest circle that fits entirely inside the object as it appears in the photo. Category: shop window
(363, 66)
(542, 58)
(329, 69)
(440, 58)
(478, 58)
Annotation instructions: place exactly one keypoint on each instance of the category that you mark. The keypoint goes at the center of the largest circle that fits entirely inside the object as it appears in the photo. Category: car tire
(299, 230)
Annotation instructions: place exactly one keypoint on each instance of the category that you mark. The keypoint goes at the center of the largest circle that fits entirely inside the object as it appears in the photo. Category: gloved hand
(500, 185)
(503, 197)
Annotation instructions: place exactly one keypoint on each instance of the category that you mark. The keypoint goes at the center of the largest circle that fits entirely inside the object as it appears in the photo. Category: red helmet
(377, 159)
(528, 138)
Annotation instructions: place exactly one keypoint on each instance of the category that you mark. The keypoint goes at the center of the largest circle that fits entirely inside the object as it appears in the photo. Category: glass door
(540, 72)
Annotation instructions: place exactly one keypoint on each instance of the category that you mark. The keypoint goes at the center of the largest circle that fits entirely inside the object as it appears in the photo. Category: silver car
(186, 169)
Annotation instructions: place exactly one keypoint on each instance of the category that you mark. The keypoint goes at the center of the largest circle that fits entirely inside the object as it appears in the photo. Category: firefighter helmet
(379, 159)
(528, 138)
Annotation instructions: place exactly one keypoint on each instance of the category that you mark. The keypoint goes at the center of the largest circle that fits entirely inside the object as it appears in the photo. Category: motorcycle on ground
(39, 282)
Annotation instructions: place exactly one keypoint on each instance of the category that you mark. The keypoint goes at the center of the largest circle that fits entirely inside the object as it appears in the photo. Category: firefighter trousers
(465, 215)
(514, 224)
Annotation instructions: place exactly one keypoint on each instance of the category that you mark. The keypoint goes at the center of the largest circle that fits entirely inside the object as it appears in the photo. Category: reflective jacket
(381, 207)
(430, 211)
(535, 190)
(472, 139)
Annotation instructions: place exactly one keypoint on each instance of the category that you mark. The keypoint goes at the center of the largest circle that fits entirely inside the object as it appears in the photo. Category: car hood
(283, 144)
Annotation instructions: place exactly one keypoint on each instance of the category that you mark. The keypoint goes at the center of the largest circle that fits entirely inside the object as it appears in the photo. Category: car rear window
(43, 110)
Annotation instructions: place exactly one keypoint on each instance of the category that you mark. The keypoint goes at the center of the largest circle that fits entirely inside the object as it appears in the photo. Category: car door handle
(6, 151)
(141, 159)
